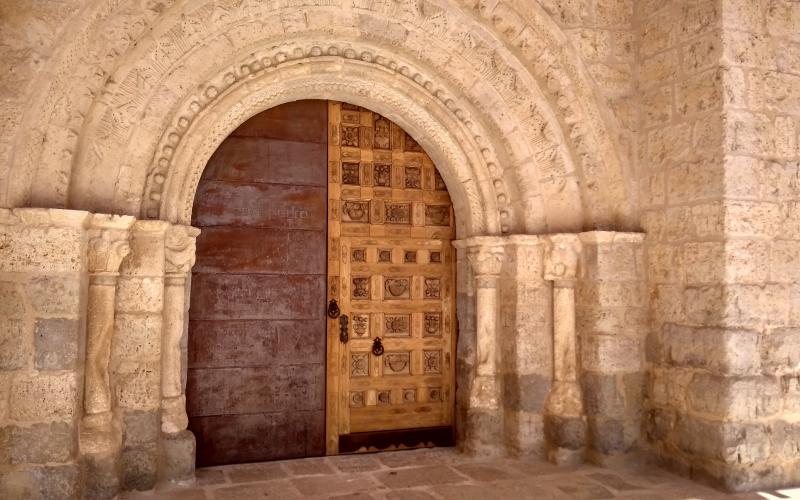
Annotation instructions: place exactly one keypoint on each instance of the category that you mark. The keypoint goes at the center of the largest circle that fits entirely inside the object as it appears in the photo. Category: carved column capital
(179, 249)
(562, 253)
(108, 243)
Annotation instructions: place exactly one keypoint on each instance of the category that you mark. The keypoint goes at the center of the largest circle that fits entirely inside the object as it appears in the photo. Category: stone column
(484, 416)
(100, 438)
(108, 245)
(178, 443)
(565, 419)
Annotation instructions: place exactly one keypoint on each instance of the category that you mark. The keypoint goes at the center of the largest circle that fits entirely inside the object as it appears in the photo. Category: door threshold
(401, 439)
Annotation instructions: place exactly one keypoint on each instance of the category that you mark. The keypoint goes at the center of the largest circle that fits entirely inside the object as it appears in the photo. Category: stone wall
(718, 162)
(43, 285)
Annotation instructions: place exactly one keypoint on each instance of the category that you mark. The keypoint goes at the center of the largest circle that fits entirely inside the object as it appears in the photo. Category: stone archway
(495, 95)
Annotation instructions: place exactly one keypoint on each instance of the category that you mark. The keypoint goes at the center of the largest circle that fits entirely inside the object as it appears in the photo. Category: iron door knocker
(344, 328)
(377, 347)
(333, 309)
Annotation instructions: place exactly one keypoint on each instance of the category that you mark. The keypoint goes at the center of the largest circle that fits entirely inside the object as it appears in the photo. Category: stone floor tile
(247, 473)
(209, 476)
(428, 456)
(353, 496)
(279, 489)
(338, 484)
(419, 476)
(578, 489)
(308, 467)
(487, 472)
(613, 481)
(355, 463)
(408, 494)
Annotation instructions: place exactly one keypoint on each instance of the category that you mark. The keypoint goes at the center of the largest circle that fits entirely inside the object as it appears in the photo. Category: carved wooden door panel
(256, 376)
(391, 270)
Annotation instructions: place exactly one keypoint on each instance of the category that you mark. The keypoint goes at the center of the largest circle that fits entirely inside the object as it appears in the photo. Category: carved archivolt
(507, 77)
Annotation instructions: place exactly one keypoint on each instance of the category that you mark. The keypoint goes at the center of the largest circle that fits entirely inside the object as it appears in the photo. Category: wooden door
(256, 377)
(391, 270)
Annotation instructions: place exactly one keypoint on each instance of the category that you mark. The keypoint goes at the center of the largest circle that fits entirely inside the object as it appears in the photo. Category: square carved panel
(410, 257)
(359, 255)
(384, 398)
(412, 145)
(383, 133)
(397, 363)
(437, 215)
(384, 255)
(361, 325)
(398, 213)
(432, 362)
(397, 288)
(433, 288)
(351, 173)
(356, 399)
(409, 395)
(382, 175)
(435, 394)
(360, 288)
(397, 325)
(355, 211)
(413, 178)
(350, 136)
(433, 325)
(359, 364)
(436, 257)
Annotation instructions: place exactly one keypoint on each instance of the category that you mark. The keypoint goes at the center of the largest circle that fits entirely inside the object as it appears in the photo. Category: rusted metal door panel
(256, 378)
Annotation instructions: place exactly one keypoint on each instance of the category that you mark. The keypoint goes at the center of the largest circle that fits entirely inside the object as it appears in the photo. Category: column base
(566, 439)
(484, 433)
(178, 457)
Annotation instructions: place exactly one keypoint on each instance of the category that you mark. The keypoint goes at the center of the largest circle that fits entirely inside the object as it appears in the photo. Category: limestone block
(40, 443)
(612, 262)
(745, 15)
(664, 264)
(749, 133)
(602, 395)
(747, 261)
(600, 294)
(140, 294)
(731, 442)
(704, 263)
(525, 392)
(611, 354)
(593, 44)
(136, 336)
(43, 396)
(785, 439)
(56, 344)
(15, 344)
(659, 423)
(780, 351)
(140, 427)
(747, 49)
(669, 143)
(717, 350)
(743, 398)
(656, 107)
(656, 35)
(609, 436)
(139, 467)
(178, 452)
(56, 294)
(146, 257)
(41, 482)
(702, 53)
(696, 18)
(11, 303)
(668, 304)
(138, 385)
(25, 249)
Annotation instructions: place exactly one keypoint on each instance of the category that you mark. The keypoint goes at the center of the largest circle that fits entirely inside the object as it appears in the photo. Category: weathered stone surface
(140, 427)
(44, 397)
(139, 467)
(178, 456)
(525, 392)
(41, 482)
(41, 443)
(55, 294)
(56, 344)
(15, 351)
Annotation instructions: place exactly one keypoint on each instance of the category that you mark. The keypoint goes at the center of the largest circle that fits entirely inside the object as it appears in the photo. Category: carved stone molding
(561, 257)
(179, 249)
(108, 242)
(486, 254)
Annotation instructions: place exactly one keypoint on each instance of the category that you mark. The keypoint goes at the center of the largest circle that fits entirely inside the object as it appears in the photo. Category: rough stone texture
(680, 118)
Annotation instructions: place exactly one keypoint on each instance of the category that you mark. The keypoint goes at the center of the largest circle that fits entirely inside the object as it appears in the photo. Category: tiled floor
(440, 473)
